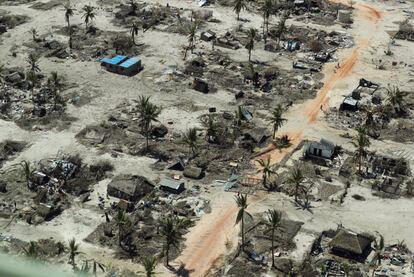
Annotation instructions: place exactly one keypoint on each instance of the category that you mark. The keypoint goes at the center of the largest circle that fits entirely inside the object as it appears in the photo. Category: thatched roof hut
(350, 244)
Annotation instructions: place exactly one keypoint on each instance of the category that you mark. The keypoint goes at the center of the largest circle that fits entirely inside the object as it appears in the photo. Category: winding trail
(205, 243)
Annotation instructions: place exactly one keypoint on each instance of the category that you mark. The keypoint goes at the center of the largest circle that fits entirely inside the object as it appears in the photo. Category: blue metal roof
(130, 62)
(115, 60)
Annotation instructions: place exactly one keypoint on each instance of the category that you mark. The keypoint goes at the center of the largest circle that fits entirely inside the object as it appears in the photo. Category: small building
(122, 65)
(349, 104)
(292, 45)
(193, 172)
(130, 188)
(351, 245)
(112, 64)
(323, 149)
(200, 85)
(208, 35)
(130, 67)
(172, 186)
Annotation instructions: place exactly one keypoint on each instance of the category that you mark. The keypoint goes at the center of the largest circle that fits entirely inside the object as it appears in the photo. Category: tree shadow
(181, 271)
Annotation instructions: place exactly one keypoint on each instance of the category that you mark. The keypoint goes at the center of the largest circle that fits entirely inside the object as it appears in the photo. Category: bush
(99, 169)
(315, 46)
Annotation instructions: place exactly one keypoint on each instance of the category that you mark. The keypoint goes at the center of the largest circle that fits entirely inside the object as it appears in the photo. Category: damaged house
(323, 149)
(130, 188)
(351, 245)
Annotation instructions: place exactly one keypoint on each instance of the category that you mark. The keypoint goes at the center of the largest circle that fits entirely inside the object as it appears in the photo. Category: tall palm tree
(296, 178)
(191, 30)
(34, 34)
(170, 231)
(33, 61)
(95, 264)
(190, 138)
(55, 82)
(88, 14)
(281, 27)
(27, 171)
(192, 35)
(277, 119)
(274, 218)
(378, 248)
(147, 113)
(268, 8)
(73, 251)
(211, 126)
(396, 98)
(250, 43)
(241, 201)
(133, 6)
(134, 31)
(69, 11)
(31, 252)
(361, 142)
(239, 5)
(1, 73)
(149, 263)
(33, 78)
(267, 170)
(120, 219)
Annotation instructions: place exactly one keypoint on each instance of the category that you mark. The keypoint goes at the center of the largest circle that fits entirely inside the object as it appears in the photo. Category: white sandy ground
(206, 241)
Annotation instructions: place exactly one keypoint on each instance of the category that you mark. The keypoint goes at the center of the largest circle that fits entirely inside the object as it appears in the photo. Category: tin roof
(169, 183)
(350, 101)
(115, 60)
(130, 62)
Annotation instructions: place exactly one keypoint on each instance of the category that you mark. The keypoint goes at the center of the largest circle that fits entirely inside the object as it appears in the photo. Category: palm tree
(27, 171)
(396, 98)
(55, 82)
(170, 231)
(88, 14)
(149, 263)
(239, 5)
(274, 218)
(369, 112)
(281, 27)
(85, 267)
(33, 60)
(192, 35)
(361, 142)
(134, 31)
(120, 219)
(190, 138)
(296, 178)
(147, 113)
(277, 119)
(32, 251)
(250, 43)
(34, 34)
(266, 167)
(32, 77)
(73, 251)
(133, 6)
(191, 30)
(1, 73)
(241, 201)
(69, 11)
(378, 248)
(211, 126)
(268, 8)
